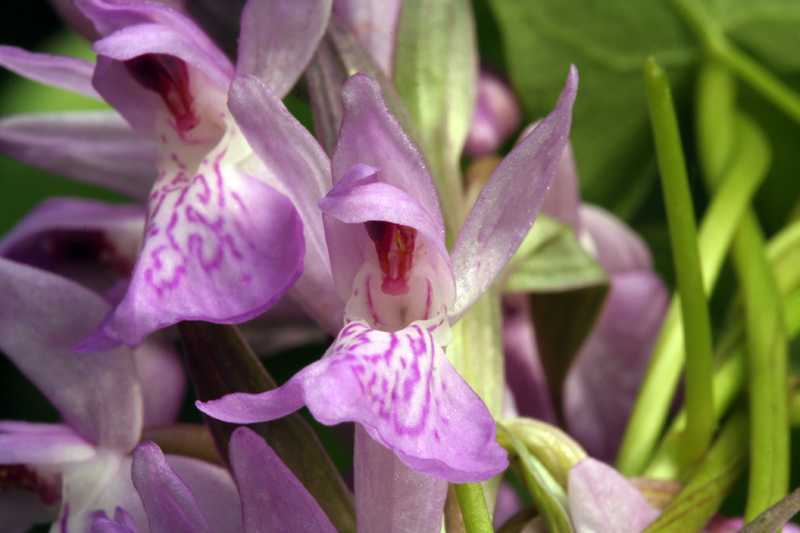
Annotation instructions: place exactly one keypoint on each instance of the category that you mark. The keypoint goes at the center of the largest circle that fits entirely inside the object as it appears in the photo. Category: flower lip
(168, 76)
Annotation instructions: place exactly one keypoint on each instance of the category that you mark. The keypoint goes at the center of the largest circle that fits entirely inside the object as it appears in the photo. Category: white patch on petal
(424, 302)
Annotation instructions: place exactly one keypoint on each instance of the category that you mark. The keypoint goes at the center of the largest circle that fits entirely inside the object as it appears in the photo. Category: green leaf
(607, 41)
(436, 75)
(220, 362)
(745, 173)
(773, 518)
(547, 494)
(707, 488)
(700, 423)
(556, 450)
(551, 259)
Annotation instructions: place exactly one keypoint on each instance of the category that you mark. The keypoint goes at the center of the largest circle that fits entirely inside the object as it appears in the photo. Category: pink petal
(618, 247)
(604, 379)
(96, 147)
(278, 38)
(65, 72)
(287, 150)
(371, 135)
(390, 496)
(273, 499)
(91, 242)
(28, 443)
(563, 201)
(217, 248)
(601, 499)
(509, 203)
(97, 394)
(374, 23)
(160, 370)
(404, 391)
(169, 503)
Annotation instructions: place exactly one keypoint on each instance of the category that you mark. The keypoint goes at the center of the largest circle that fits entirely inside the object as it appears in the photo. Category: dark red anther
(168, 76)
(395, 246)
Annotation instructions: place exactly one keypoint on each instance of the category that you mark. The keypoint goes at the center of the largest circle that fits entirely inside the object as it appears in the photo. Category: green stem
(716, 44)
(683, 235)
(473, 508)
(767, 371)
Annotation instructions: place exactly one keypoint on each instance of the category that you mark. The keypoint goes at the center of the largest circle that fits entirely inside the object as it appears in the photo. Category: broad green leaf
(607, 41)
(773, 518)
(220, 362)
(551, 259)
(708, 486)
(556, 450)
(436, 75)
(547, 494)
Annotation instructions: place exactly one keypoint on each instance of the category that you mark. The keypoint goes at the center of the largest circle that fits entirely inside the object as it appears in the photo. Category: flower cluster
(467, 317)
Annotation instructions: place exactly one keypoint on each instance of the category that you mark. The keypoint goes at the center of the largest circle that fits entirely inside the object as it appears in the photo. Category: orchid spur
(385, 234)
(219, 244)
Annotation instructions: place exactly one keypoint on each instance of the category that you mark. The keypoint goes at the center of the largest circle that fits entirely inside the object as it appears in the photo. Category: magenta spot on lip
(169, 77)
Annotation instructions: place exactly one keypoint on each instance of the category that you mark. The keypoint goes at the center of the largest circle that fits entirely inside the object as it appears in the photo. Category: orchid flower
(273, 499)
(387, 369)
(70, 471)
(219, 244)
(604, 378)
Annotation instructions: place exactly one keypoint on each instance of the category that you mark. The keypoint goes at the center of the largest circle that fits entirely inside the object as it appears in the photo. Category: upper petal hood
(97, 394)
(371, 135)
(509, 203)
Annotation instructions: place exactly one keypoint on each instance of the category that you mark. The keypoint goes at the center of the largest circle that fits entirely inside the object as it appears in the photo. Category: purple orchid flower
(603, 381)
(388, 498)
(219, 244)
(69, 471)
(384, 230)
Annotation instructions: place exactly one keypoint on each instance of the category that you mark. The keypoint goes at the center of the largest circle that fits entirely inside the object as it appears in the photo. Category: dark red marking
(168, 76)
(395, 246)
(22, 477)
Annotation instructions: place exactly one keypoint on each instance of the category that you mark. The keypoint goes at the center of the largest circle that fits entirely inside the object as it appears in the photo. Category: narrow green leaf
(683, 235)
(707, 488)
(547, 494)
(773, 518)
(734, 193)
(767, 371)
(551, 259)
(220, 362)
(436, 75)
